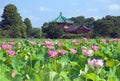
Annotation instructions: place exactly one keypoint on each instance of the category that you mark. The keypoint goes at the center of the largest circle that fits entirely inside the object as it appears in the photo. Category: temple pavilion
(63, 22)
(67, 25)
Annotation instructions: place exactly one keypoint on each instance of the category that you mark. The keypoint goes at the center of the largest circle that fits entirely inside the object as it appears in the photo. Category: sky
(41, 11)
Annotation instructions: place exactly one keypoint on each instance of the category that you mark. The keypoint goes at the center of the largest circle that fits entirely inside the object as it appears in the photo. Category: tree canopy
(52, 30)
(12, 25)
(28, 26)
(11, 21)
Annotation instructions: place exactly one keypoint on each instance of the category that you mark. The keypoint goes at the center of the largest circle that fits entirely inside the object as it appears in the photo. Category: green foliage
(4, 33)
(104, 27)
(23, 31)
(16, 31)
(52, 30)
(89, 22)
(115, 32)
(44, 27)
(0, 32)
(28, 27)
(11, 21)
(81, 20)
(78, 20)
(32, 63)
(71, 36)
(36, 32)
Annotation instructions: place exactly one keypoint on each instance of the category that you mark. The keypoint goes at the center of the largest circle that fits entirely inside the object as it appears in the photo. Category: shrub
(71, 36)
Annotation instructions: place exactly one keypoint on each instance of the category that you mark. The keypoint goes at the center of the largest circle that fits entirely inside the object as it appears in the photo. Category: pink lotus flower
(95, 62)
(12, 43)
(11, 52)
(62, 52)
(32, 43)
(87, 52)
(94, 47)
(73, 51)
(85, 39)
(75, 43)
(102, 41)
(52, 53)
(3, 43)
(6, 47)
(59, 44)
(9, 46)
(48, 44)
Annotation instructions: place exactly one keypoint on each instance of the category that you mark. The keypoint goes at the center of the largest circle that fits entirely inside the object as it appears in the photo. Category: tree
(115, 33)
(23, 31)
(0, 32)
(45, 27)
(89, 22)
(78, 20)
(104, 27)
(0, 24)
(35, 32)
(5, 34)
(53, 30)
(29, 26)
(11, 21)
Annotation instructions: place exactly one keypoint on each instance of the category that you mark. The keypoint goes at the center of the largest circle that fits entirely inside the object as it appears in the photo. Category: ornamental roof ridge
(62, 19)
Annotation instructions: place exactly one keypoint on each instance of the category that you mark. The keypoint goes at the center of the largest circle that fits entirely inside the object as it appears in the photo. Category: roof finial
(60, 13)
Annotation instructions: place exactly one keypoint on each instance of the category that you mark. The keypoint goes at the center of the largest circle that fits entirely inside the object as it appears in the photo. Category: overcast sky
(40, 11)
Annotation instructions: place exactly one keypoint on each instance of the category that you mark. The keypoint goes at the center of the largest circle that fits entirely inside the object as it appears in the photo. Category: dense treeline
(81, 20)
(12, 26)
(108, 26)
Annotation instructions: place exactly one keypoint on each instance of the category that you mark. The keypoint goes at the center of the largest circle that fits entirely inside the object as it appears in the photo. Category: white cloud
(114, 7)
(43, 9)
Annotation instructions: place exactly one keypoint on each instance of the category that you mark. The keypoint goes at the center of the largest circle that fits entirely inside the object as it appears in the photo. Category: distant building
(67, 25)
(78, 29)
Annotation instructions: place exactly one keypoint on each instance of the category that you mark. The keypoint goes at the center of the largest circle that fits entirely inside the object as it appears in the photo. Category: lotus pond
(60, 60)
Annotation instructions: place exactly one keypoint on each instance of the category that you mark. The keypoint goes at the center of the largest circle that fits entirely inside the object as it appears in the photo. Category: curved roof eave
(62, 19)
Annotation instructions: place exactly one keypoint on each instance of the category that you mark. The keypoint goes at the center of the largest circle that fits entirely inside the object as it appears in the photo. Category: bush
(71, 36)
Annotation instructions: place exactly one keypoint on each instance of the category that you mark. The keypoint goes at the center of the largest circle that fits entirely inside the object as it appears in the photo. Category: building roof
(62, 19)
(75, 28)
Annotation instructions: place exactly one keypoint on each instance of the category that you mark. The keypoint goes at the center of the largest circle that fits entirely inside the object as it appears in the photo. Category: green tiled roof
(62, 19)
